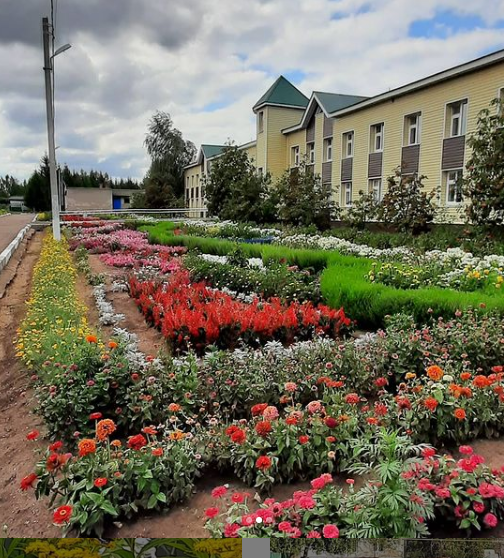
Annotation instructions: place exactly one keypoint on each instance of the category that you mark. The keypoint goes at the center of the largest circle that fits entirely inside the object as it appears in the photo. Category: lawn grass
(344, 280)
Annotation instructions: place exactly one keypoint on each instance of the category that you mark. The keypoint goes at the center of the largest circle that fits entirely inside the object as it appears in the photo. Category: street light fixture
(61, 49)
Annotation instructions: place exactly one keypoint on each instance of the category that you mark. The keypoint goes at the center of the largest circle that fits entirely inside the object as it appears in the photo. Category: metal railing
(187, 213)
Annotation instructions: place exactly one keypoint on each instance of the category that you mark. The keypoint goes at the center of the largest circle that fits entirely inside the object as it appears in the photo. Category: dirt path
(20, 514)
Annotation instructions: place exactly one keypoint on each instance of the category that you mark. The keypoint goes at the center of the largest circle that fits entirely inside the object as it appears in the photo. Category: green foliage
(363, 210)
(38, 188)
(405, 205)
(276, 280)
(234, 189)
(170, 153)
(484, 181)
(303, 200)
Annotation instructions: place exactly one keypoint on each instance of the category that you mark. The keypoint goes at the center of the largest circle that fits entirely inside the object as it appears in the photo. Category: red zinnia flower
(352, 399)
(459, 414)
(431, 404)
(137, 442)
(100, 482)
(29, 481)
(331, 422)
(304, 440)
(56, 446)
(258, 409)
(95, 416)
(211, 512)
(157, 452)
(239, 436)
(33, 435)
(263, 428)
(62, 514)
(263, 463)
(219, 492)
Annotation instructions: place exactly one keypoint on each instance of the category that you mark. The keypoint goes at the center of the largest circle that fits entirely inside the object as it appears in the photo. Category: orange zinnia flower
(431, 403)
(459, 414)
(104, 429)
(86, 447)
(112, 345)
(92, 339)
(116, 443)
(149, 430)
(435, 373)
(481, 381)
(157, 452)
(465, 376)
(174, 407)
(177, 435)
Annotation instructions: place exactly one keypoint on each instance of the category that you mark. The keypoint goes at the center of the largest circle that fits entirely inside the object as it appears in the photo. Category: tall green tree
(303, 200)
(169, 153)
(483, 184)
(38, 188)
(10, 186)
(234, 189)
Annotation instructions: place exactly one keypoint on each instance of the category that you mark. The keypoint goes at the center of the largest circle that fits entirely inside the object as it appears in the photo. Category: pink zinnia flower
(285, 527)
(466, 450)
(313, 535)
(270, 413)
(478, 507)
(490, 520)
(330, 532)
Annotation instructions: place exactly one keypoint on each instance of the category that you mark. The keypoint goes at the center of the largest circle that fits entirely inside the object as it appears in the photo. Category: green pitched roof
(210, 151)
(282, 92)
(334, 101)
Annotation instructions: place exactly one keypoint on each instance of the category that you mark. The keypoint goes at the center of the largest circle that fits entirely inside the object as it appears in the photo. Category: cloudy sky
(206, 62)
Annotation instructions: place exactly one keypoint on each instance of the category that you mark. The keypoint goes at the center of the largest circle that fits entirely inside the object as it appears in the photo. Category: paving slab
(10, 225)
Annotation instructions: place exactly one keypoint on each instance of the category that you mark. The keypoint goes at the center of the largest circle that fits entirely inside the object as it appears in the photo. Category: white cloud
(181, 58)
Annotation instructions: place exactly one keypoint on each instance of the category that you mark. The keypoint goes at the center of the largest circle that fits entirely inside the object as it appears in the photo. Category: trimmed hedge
(344, 281)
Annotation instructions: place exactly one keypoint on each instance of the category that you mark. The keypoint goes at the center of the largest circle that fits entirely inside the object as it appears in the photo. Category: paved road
(10, 225)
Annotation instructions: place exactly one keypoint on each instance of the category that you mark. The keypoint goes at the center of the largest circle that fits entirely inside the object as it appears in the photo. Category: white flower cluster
(136, 359)
(105, 309)
(216, 226)
(253, 262)
(343, 246)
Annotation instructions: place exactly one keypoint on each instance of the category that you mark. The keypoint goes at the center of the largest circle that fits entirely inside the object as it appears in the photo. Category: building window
(375, 188)
(260, 122)
(454, 187)
(328, 149)
(295, 156)
(197, 192)
(192, 193)
(310, 149)
(197, 179)
(376, 143)
(456, 119)
(260, 171)
(500, 106)
(348, 141)
(412, 129)
(346, 194)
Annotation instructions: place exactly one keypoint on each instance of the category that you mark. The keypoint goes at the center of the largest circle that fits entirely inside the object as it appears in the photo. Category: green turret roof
(282, 92)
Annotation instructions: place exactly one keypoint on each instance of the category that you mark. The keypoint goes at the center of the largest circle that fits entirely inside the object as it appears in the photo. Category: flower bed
(197, 316)
(412, 487)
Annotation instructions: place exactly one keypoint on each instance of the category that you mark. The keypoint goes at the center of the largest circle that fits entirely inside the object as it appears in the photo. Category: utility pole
(48, 68)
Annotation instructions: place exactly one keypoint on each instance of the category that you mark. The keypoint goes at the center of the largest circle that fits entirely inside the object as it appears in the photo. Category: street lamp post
(48, 69)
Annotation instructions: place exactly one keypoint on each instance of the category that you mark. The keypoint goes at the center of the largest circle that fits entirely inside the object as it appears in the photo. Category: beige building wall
(479, 88)
(88, 198)
(193, 188)
(277, 119)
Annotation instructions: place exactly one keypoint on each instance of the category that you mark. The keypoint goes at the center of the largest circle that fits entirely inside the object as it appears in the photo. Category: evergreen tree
(38, 189)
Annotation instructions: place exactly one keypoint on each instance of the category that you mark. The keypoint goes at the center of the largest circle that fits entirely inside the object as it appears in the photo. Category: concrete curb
(6, 255)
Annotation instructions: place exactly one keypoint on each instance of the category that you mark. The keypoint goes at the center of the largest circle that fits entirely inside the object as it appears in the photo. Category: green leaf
(152, 502)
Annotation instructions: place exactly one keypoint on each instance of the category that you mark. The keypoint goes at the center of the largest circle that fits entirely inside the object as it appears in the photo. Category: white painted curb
(6, 255)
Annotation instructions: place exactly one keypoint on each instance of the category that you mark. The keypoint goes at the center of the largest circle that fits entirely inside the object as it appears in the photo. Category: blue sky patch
(295, 76)
(216, 105)
(444, 24)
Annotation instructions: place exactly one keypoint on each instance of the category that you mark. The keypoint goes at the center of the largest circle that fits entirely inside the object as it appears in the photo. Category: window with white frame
(295, 156)
(346, 194)
(310, 150)
(454, 187)
(197, 192)
(328, 150)
(348, 145)
(376, 143)
(456, 119)
(260, 122)
(375, 188)
(412, 124)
